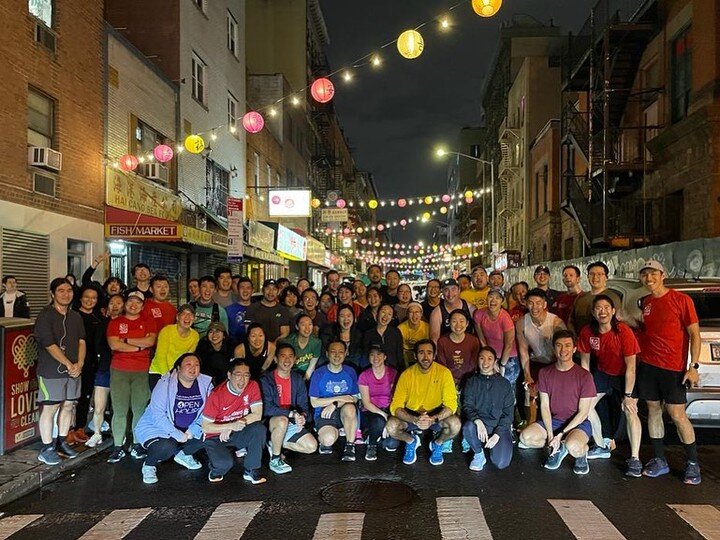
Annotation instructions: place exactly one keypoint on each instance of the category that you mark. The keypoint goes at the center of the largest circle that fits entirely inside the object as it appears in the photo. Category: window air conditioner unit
(47, 158)
(154, 171)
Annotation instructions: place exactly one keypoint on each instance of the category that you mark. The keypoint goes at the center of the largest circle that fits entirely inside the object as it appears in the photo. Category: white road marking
(117, 524)
(584, 520)
(704, 518)
(462, 518)
(11, 525)
(339, 527)
(229, 521)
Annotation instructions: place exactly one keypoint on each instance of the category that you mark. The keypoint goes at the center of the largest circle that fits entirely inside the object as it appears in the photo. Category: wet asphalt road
(514, 501)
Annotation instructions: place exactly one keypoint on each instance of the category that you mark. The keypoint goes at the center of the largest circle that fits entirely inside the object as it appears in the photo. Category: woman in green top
(307, 346)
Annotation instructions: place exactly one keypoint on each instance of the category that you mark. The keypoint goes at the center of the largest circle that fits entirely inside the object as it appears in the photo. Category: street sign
(235, 229)
(333, 215)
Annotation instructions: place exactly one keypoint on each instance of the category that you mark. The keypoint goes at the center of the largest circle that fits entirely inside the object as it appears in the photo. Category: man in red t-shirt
(670, 327)
(232, 418)
(564, 302)
(566, 393)
(157, 306)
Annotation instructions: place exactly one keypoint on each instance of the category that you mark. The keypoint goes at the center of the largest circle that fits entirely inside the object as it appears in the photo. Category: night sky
(396, 115)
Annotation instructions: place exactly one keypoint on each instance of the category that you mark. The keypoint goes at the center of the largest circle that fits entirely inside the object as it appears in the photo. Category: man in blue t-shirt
(334, 392)
(236, 310)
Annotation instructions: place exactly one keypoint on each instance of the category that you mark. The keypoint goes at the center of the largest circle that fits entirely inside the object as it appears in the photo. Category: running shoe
(598, 452)
(241, 453)
(465, 446)
(94, 440)
(478, 461)
(149, 474)
(447, 447)
(64, 449)
(656, 467)
(371, 452)
(138, 452)
(554, 460)
(49, 456)
(278, 466)
(116, 455)
(411, 451)
(436, 454)
(349, 453)
(634, 468)
(581, 465)
(692, 473)
(214, 477)
(325, 450)
(187, 461)
(254, 477)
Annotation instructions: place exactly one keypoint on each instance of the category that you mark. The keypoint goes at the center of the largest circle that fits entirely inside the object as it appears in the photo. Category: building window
(232, 112)
(232, 34)
(256, 175)
(681, 75)
(269, 174)
(217, 186)
(537, 194)
(43, 10)
(76, 257)
(146, 138)
(545, 188)
(199, 79)
(41, 119)
(200, 4)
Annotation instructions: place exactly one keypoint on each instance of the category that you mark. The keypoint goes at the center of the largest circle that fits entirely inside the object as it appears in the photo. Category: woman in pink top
(376, 387)
(495, 328)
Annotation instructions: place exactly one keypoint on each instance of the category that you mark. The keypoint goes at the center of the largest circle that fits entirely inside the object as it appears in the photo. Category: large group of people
(360, 363)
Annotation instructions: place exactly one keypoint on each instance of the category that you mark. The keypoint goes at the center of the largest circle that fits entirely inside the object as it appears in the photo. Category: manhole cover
(367, 494)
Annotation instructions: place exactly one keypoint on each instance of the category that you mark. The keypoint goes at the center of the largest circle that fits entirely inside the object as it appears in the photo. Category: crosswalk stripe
(339, 527)
(12, 524)
(704, 518)
(229, 521)
(117, 524)
(462, 518)
(584, 520)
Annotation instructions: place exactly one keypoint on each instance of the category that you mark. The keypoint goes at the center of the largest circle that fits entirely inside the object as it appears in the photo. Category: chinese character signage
(235, 229)
(333, 215)
(139, 195)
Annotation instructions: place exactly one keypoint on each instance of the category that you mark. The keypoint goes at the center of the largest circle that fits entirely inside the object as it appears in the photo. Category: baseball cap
(654, 265)
(216, 325)
(135, 294)
(542, 268)
(379, 347)
(186, 307)
(269, 282)
(449, 283)
(497, 291)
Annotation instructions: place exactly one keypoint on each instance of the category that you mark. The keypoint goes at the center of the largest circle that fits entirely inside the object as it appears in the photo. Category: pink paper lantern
(403, 222)
(322, 90)
(328, 231)
(253, 122)
(128, 162)
(340, 203)
(346, 231)
(397, 246)
(163, 153)
(468, 200)
(446, 198)
(402, 203)
(381, 227)
(363, 241)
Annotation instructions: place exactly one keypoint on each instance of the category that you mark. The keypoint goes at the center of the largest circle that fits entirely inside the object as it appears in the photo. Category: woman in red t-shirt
(612, 347)
(131, 338)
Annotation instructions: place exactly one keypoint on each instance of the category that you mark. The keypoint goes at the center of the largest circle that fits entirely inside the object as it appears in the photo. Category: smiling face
(425, 356)
(225, 281)
(597, 278)
(451, 293)
(496, 281)
(310, 300)
(404, 294)
(479, 278)
(603, 311)
(377, 358)
(302, 284)
(270, 292)
(194, 288)
(189, 369)
(487, 362)
(336, 354)
(536, 306)
(116, 305)
(333, 281)
(570, 278)
(305, 327)
(542, 278)
(375, 274)
(290, 299)
(373, 297)
(458, 323)
(133, 306)
(89, 299)
(345, 318)
(345, 295)
(359, 288)
(285, 360)
(160, 290)
(393, 280)
(653, 280)
(326, 302)
(256, 338)
(142, 274)
(494, 301)
(564, 349)
(414, 314)
(207, 289)
(239, 377)
(518, 292)
(185, 319)
(216, 336)
(245, 290)
(433, 290)
(385, 315)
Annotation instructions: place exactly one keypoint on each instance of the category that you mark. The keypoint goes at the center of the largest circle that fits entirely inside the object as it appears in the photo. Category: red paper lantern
(128, 162)
(322, 90)
(163, 153)
(253, 122)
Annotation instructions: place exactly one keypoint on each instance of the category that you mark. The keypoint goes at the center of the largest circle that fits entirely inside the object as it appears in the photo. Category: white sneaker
(241, 453)
(149, 474)
(189, 462)
(94, 440)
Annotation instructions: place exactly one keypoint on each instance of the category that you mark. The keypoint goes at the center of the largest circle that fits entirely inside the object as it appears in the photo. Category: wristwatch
(695, 365)
(628, 394)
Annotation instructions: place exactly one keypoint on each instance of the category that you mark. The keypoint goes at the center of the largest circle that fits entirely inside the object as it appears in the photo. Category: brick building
(52, 175)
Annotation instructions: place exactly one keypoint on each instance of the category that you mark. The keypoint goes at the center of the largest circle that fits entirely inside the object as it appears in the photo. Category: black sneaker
(349, 453)
(634, 468)
(371, 452)
(49, 456)
(116, 455)
(692, 473)
(254, 477)
(138, 452)
(64, 449)
(322, 449)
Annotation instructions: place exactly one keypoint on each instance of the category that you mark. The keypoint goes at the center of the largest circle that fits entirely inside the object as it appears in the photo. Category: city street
(384, 499)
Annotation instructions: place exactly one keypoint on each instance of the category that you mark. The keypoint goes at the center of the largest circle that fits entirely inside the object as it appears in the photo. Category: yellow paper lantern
(486, 8)
(426, 216)
(428, 199)
(410, 44)
(468, 194)
(194, 144)
(443, 210)
(373, 204)
(315, 203)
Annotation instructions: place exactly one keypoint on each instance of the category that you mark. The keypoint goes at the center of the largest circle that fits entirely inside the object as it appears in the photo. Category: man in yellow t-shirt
(477, 296)
(424, 399)
(413, 329)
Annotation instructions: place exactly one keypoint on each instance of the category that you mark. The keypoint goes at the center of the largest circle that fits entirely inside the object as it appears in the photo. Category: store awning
(128, 225)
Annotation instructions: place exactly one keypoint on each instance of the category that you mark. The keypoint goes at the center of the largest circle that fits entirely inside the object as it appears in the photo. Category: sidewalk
(21, 472)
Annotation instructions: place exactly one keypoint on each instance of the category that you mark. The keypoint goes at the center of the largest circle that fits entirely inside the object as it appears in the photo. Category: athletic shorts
(102, 378)
(53, 391)
(294, 433)
(610, 384)
(557, 426)
(334, 421)
(658, 384)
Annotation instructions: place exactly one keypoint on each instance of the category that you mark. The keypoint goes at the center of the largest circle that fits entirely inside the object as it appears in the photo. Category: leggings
(129, 391)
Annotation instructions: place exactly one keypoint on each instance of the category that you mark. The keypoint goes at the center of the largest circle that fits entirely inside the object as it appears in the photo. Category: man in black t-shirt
(269, 313)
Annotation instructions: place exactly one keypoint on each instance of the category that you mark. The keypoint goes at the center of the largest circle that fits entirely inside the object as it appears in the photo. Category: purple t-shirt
(188, 403)
(380, 389)
(494, 331)
(565, 389)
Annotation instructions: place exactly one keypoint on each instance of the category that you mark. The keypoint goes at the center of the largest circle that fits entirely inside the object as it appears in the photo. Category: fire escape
(604, 129)
(510, 175)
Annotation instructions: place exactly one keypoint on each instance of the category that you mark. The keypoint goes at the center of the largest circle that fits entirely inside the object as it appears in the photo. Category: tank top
(256, 361)
(445, 324)
(539, 338)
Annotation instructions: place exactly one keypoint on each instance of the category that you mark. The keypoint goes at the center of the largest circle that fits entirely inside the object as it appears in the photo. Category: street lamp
(441, 152)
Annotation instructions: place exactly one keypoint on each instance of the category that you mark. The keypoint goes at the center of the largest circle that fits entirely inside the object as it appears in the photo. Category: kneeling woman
(170, 426)
(488, 404)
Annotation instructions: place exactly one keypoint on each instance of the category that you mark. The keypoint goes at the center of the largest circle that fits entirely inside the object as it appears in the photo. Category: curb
(42, 475)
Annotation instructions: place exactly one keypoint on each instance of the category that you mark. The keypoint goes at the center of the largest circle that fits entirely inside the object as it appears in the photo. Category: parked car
(703, 406)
